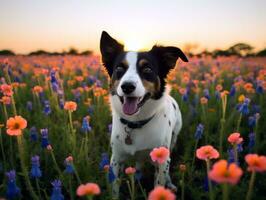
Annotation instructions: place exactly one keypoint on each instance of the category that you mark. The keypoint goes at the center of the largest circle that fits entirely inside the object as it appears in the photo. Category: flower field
(55, 126)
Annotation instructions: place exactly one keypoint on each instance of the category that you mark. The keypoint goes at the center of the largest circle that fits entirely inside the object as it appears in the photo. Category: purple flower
(206, 93)
(12, 189)
(85, 125)
(44, 142)
(251, 142)
(57, 191)
(232, 91)
(33, 134)
(69, 166)
(35, 171)
(104, 161)
(47, 109)
(243, 108)
(199, 132)
(29, 106)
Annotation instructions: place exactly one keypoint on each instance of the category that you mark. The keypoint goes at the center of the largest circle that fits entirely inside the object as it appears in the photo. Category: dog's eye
(120, 69)
(147, 70)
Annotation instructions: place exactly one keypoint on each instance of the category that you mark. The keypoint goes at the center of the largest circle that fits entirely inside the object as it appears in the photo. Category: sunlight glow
(132, 44)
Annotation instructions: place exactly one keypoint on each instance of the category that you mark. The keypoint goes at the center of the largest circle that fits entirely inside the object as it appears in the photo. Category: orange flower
(182, 91)
(224, 173)
(37, 89)
(159, 154)
(71, 106)
(6, 90)
(160, 193)
(219, 87)
(15, 125)
(88, 189)
(6, 100)
(241, 98)
(79, 78)
(207, 152)
(130, 170)
(235, 138)
(203, 100)
(256, 163)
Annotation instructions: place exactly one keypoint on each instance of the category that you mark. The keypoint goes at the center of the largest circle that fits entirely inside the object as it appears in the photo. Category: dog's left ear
(167, 57)
(110, 48)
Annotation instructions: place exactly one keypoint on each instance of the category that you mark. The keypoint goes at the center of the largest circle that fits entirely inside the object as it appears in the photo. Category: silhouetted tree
(240, 49)
(6, 52)
(261, 53)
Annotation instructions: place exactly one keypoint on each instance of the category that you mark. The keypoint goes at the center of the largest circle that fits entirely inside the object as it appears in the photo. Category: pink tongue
(130, 105)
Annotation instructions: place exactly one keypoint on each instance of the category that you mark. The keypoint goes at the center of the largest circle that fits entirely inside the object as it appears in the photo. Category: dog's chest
(157, 132)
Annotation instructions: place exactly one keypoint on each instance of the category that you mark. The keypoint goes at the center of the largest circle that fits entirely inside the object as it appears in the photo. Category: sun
(132, 44)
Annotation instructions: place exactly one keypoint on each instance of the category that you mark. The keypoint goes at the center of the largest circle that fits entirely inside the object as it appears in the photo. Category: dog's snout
(128, 87)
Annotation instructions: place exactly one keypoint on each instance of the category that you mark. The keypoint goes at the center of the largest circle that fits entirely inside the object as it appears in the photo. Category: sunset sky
(54, 25)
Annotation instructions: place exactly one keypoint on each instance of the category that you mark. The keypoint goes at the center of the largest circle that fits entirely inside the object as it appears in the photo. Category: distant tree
(219, 52)
(6, 52)
(261, 53)
(190, 47)
(38, 53)
(72, 51)
(240, 49)
(86, 53)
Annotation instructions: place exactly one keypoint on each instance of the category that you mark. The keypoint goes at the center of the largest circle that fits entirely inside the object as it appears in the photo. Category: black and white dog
(145, 116)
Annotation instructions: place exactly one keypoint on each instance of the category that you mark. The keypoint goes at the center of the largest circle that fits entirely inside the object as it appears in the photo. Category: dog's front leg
(117, 166)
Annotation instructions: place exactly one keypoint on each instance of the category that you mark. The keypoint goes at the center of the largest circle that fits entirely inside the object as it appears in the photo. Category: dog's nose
(128, 87)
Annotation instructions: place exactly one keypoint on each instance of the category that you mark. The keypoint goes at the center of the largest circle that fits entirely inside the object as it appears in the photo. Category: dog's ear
(109, 48)
(167, 57)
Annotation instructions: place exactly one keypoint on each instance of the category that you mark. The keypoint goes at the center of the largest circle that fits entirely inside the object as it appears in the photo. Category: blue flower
(243, 108)
(206, 93)
(90, 110)
(231, 157)
(217, 95)
(259, 88)
(232, 91)
(44, 142)
(35, 171)
(69, 166)
(12, 189)
(47, 109)
(104, 161)
(61, 103)
(138, 175)
(85, 125)
(185, 97)
(111, 175)
(199, 132)
(57, 191)
(29, 106)
(251, 142)
(240, 147)
(33, 134)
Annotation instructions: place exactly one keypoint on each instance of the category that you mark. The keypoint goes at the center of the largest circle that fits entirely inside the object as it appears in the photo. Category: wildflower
(207, 152)
(206, 93)
(235, 138)
(259, 89)
(44, 142)
(70, 106)
(111, 175)
(199, 132)
(224, 173)
(69, 165)
(243, 108)
(130, 170)
(256, 163)
(104, 161)
(182, 167)
(231, 155)
(85, 125)
(57, 191)
(35, 171)
(6, 89)
(37, 89)
(12, 189)
(6, 100)
(15, 125)
(232, 91)
(159, 193)
(159, 155)
(241, 98)
(89, 189)
(33, 134)
(61, 103)
(251, 142)
(203, 100)
(47, 109)
(29, 106)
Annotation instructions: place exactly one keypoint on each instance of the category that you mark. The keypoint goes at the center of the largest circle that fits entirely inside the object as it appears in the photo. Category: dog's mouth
(131, 105)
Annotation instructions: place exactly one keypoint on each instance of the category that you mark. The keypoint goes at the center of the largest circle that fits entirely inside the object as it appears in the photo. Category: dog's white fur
(161, 130)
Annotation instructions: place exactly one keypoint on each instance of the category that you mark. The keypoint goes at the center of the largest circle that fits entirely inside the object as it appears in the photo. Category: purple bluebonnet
(35, 171)
(44, 142)
(13, 190)
(90, 110)
(57, 190)
(47, 108)
(217, 95)
(252, 121)
(240, 147)
(104, 161)
(33, 134)
(199, 132)
(206, 94)
(111, 175)
(29, 106)
(259, 88)
(69, 165)
(185, 97)
(85, 125)
(251, 142)
(243, 108)
(231, 157)
(61, 103)
(232, 91)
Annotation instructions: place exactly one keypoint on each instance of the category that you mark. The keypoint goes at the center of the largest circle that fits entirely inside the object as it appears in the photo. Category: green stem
(38, 188)
(2, 149)
(235, 153)
(238, 122)
(129, 188)
(251, 185)
(71, 188)
(5, 112)
(225, 191)
(209, 181)
(56, 165)
(183, 186)
(221, 136)
(72, 130)
(132, 181)
(24, 168)
(142, 190)
(13, 105)
(194, 155)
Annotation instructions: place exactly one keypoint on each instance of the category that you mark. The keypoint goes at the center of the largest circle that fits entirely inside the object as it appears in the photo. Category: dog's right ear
(110, 48)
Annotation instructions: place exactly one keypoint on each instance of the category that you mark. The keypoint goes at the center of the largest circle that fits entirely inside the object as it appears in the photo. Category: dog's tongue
(130, 105)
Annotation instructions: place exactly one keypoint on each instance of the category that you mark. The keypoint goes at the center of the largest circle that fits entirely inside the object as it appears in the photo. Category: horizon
(57, 26)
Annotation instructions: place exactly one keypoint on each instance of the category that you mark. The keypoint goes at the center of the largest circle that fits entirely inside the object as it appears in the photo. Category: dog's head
(137, 77)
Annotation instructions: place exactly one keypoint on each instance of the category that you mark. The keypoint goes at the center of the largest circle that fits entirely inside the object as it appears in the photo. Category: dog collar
(135, 124)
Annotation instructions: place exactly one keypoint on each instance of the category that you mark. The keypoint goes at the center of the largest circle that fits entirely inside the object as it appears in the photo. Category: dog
(144, 115)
